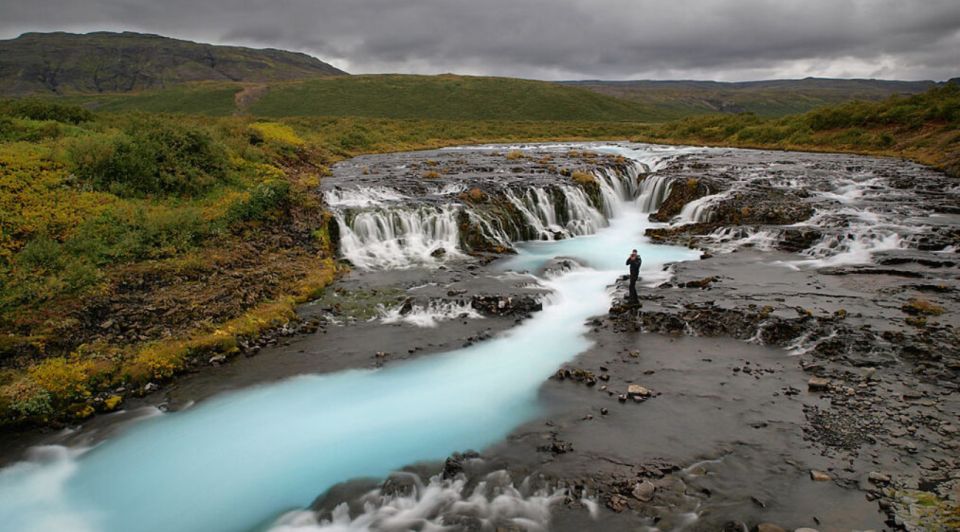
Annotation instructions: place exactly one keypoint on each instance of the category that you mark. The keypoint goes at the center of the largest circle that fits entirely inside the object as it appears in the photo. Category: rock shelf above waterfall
(424, 208)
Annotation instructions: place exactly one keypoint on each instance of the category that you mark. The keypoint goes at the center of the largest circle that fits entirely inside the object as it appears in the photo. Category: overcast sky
(551, 39)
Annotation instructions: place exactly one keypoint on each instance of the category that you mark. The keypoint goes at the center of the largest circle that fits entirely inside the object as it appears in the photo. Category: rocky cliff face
(37, 63)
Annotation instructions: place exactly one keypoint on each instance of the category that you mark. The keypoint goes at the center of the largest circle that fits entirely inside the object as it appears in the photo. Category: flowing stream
(240, 460)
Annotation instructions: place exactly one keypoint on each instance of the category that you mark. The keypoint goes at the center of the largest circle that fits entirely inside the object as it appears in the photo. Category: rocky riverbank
(803, 375)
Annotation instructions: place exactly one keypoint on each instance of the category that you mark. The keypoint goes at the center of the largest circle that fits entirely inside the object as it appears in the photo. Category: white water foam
(728, 239)
(848, 249)
(365, 197)
(431, 315)
(494, 502)
(399, 238)
(701, 209)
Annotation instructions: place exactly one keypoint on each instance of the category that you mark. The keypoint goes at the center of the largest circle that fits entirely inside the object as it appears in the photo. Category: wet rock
(796, 240)
(734, 526)
(701, 283)
(617, 503)
(635, 391)
(556, 446)
(682, 191)
(878, 478)
(769, 527)
(505, 305)
(453, 466)
(643, 491)
(819, 476)
(817, 384)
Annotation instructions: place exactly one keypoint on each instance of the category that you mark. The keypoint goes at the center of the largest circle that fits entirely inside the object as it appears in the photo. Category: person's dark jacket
(634, 263)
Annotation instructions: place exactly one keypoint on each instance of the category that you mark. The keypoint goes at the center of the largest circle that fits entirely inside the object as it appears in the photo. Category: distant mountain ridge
(108, 62)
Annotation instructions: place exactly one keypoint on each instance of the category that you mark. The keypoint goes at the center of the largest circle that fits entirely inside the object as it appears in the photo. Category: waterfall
(541, 219)
(398, 238)
(584, 218)
(616, 188)
(557, 212)
(653, 191)
(701, 209)
(385, 228)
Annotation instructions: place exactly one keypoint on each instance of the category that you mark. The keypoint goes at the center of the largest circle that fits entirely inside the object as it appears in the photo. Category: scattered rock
(635, 390)
(769, 527)
(643, 491)
(817, 384)
(617, 503)
(819, 476)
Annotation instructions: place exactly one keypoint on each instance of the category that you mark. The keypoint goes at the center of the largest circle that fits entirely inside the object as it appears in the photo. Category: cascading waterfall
(701, 210)
(539, 208)
(584, 218)
(398, 238)
(380, 229)
(653, 191)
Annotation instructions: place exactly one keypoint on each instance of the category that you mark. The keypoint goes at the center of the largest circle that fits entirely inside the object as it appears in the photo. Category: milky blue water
(239, 460)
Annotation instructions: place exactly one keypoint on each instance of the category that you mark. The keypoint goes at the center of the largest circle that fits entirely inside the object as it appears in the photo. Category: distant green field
(443, 97)
(923, 127)
(214, 99)
(450, 97)
(774, 98)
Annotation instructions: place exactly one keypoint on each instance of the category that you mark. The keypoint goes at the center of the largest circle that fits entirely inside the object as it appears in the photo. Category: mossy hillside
(673, 100)
(445, 97)
(923, 127)
(99, 62)
(209, 98)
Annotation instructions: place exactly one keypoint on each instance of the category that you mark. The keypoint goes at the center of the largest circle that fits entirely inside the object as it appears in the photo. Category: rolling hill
(677, 99)
(445, 97)
(120, 72)
(453, 97)
(105, 62)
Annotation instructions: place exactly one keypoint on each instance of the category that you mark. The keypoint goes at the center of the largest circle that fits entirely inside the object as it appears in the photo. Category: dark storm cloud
(568, 39)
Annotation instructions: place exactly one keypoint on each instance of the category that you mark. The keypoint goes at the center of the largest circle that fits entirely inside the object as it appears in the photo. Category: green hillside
(450, 97)
(443, 97)
(105, 62)
(923, 127)
(212, 99)
(678, 99)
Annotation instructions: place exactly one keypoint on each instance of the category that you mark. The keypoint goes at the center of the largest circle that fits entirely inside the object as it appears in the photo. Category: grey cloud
(552, 39)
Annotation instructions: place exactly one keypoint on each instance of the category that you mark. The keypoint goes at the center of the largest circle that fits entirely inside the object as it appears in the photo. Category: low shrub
(155, 157)
(45, 110)
(264, 199)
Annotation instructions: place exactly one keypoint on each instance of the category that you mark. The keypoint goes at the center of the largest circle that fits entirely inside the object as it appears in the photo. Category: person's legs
(633, 288)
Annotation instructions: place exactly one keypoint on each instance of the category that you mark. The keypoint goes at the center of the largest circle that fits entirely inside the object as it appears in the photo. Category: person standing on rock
(634, 262)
